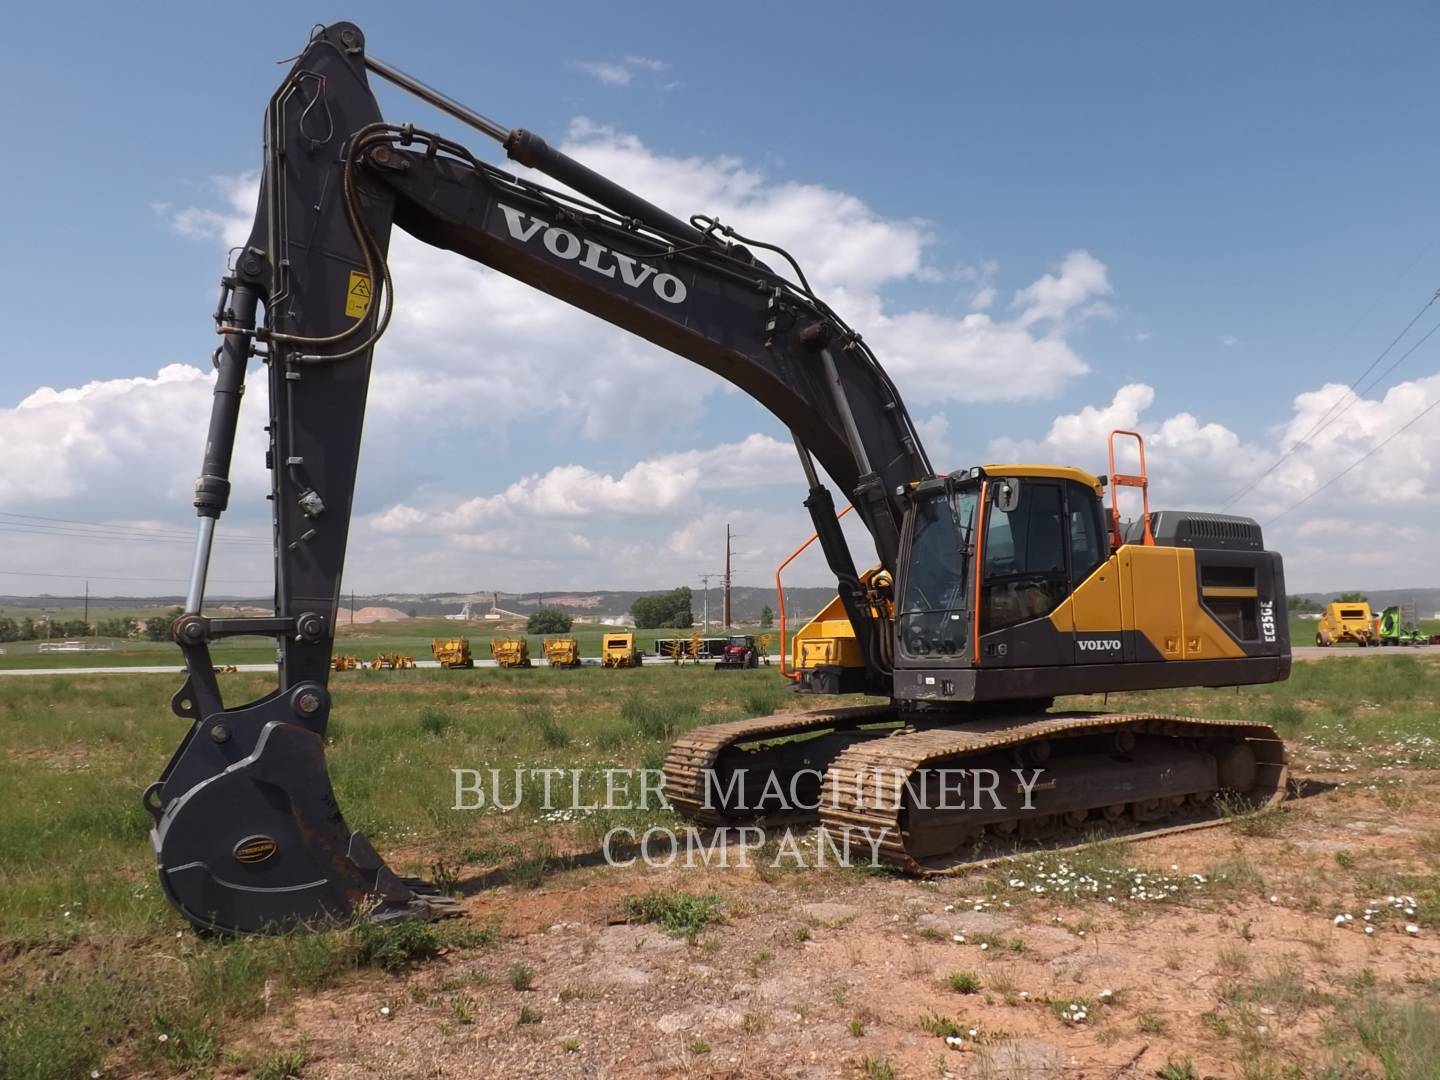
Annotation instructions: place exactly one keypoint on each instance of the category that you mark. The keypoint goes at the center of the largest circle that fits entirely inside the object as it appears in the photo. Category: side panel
(1094, 612)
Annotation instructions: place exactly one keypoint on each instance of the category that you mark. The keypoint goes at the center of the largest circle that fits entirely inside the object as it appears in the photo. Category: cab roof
(1052, 472)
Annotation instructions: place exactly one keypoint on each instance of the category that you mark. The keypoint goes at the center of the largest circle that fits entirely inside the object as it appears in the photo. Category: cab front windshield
(937, 581)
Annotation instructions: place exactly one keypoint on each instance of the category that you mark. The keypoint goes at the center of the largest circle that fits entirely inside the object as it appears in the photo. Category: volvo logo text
(1100, 645)
(564, 244)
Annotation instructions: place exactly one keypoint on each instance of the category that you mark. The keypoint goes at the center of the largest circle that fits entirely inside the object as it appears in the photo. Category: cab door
(1025, 575)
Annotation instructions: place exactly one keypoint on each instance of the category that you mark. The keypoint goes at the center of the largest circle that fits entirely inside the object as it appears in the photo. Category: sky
(1048, 220)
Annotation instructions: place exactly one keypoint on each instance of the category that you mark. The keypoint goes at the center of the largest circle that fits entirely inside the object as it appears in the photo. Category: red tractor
(740, 652)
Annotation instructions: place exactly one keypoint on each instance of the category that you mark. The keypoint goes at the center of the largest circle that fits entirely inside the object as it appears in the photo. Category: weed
(681, 914)
(801, 934)
(395, 946)
(570, 1046)
(1233, 958)
(529, 1015)
(939, 1025)
(964, 982)
(435, 721)
(698, 1046)
(1245, 819)
(445, 876)
(1345, 859)
(286, 1065)
(520, 977)
(463, 1010)
(528, 871)
(877, 1069)
(1183, 1069)
(857, 1028)
(1150, 1024)
(1016, 945)
(929, 933)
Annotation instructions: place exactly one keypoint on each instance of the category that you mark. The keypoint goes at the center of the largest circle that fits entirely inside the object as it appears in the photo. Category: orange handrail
(1119, 480)
(780, 594)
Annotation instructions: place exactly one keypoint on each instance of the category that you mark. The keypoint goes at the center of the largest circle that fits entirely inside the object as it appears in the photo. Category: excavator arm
(247, 832)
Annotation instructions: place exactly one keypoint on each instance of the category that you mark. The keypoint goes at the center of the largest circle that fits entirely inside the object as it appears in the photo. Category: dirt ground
(1240, 967)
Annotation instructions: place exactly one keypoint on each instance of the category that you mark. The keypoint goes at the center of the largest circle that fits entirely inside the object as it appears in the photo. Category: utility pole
(726, 604)
(87, 605)
(705, 618)
(352, 607)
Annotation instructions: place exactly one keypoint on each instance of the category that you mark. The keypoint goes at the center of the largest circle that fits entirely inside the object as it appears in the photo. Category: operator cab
(1039, 532)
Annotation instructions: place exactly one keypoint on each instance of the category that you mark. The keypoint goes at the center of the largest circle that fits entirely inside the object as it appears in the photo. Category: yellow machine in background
(1352, 622)
(562, 652)
(510, 652)
(452, 652)
(392, 662)
(619, 650)
(344, 663)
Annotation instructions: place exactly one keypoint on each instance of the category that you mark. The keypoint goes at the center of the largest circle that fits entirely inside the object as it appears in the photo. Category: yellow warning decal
(357, 296)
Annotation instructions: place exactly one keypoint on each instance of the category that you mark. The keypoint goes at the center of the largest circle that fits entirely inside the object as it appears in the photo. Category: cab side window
(1087, 531)
(1025, 575)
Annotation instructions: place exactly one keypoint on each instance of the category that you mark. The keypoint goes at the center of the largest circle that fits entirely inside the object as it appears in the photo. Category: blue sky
(1254, 180)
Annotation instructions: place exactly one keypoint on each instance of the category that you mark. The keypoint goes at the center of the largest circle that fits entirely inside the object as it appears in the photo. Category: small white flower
(1274, 899)
(1107, 993)
(1411, 928)
(1024, 994)
(949, 907)
(1081, 933)
(958, 937)
(954, 1041)
(984, 945)
(974, 1032)
(1339, 920)
(164, 1037)
(1174, 866)
(384, 1010)
(1369, 929)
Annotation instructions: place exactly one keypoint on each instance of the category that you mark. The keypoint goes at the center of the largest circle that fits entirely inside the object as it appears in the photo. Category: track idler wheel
(248, 836)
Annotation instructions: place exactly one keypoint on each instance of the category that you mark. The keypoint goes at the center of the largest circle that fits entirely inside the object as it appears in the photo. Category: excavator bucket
(247, 833)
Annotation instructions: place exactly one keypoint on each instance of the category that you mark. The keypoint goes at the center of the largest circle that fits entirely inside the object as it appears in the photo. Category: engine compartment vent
(1188, 528)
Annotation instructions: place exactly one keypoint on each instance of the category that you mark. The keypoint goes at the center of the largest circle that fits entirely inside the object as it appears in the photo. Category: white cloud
(609, 74)
(1200, 464)
(1229, 340)
(621, 73)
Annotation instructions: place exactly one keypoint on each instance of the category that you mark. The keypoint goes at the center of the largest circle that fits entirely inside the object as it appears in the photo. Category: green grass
(82, 917)
(681, 914)
(1404, 1036)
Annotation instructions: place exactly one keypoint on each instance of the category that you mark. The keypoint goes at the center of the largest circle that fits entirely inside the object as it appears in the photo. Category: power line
(115, 577)
(1349, 398)
(1354, 464)
(123, 533)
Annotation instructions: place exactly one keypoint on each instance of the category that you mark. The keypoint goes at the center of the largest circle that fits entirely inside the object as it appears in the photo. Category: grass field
(95, 968)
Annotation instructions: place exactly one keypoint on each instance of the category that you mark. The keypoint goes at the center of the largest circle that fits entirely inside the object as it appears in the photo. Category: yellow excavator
(995, 589)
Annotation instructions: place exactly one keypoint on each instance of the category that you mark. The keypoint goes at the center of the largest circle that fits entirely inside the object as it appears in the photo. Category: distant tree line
(155, 628)
(671, 609)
